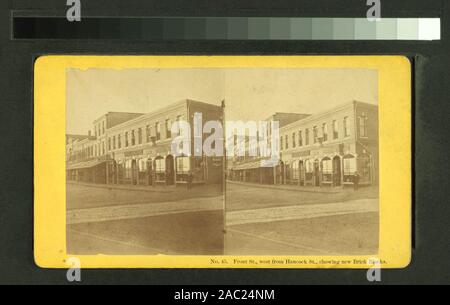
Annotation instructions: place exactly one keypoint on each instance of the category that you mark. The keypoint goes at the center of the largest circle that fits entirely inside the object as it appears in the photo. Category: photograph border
(394, 81)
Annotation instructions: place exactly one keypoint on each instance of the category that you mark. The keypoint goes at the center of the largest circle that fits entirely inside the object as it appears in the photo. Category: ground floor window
(160, 165)
(142, 168)
(301, 171)
(295, 170)
(349, 168)
(364, 166)
(183, 165)
(120, 170)
(327, 170)
(128, 169)
(142, 165)
(309, 166)
(309, 169)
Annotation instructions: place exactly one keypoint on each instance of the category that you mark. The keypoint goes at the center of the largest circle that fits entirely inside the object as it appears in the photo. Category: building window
(103, 127)
(140, 135)
(119, 143)
(295, 170)
(133, 138)
(158, 131)
(315, 135)
(327, 166)
(148, 133)
(103, 147)
(287, 141)
(293, 140)
(309, 166)
(281, 143)
(126, 139)
(168, 128)
(300, 138)
(183, 165)
(335, 130)
(325, 132)
(109, 143)
(327, 170)
(346, 127)
(128, 169)
(349, 165)
(306, 137)
(114, 142)
(160, 165)
(364, 168)
(362, 126)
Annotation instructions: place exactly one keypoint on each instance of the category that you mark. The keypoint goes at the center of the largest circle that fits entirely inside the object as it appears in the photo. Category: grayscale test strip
(227, 28)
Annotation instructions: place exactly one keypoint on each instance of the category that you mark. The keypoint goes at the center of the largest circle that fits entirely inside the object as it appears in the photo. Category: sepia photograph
(222, 161)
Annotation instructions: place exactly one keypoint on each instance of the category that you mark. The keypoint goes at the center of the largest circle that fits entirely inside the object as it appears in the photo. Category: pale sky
(250, 93)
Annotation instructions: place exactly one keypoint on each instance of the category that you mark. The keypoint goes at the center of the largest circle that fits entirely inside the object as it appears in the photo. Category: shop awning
(86, 164)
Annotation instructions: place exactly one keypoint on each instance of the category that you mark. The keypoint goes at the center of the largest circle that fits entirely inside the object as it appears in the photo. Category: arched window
(309, 166)
(160, 165)
(295, 170)
(128, 165)
(183, 165)
(142, 164)
(327, 170)
(327, 167)
(364, 166)
(349, 162)
(349, 165)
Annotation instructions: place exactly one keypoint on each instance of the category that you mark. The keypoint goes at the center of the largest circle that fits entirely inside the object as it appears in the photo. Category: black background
(430, 262)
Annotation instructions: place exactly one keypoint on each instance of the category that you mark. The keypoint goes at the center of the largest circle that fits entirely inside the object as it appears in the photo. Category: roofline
(296, 113)
(111, 112)
(183, 102)
(76, 135)
(323, 113)
(148, 115)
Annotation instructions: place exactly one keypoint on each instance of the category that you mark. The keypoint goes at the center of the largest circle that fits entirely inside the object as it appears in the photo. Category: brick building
(130, 148)
(332, 148)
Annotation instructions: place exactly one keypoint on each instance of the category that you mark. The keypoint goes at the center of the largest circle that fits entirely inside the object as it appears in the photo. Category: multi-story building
(333, 148)
(88, 160)
(80, 154)
(247, 167)
(103, 124)
(138, 150)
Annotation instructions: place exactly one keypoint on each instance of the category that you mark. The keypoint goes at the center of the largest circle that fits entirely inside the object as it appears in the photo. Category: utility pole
(224, 176)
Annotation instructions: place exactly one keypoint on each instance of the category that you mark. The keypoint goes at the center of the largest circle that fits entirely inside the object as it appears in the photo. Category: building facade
(138, 151)
(333, 148)
(247, 167)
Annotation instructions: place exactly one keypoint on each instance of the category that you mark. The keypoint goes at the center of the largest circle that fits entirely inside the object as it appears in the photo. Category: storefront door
(134, 172)
(337, 171)
(170, 174)
(316, 173)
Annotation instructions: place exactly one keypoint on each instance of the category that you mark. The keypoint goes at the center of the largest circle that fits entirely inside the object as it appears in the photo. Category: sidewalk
(148, 188)
(307, 189)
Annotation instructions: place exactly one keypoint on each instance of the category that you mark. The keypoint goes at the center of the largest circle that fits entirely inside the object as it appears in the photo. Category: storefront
(92, 171)
(156, 166)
